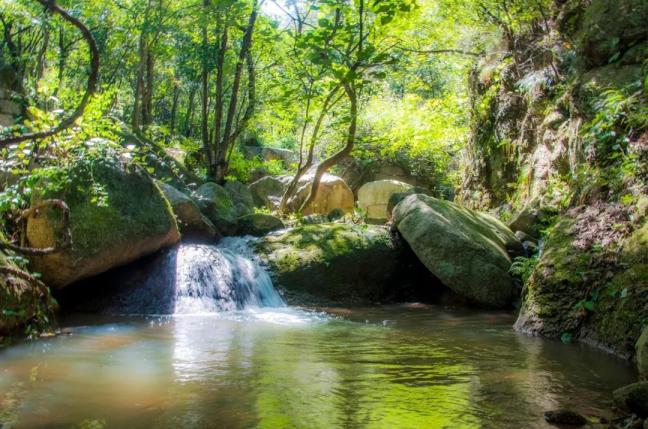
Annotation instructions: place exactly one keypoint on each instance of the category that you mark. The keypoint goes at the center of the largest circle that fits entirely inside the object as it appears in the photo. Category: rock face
(642, 354)
(343, 264)
(259, 224)
(565, 276)
(117, 215)
(332, 193)
(373, 197)
(466, 250)
(268, 191)
(217, 204)
(191, 221)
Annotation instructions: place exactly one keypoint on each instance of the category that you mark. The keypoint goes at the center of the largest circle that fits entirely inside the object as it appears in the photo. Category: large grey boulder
(217, 204)
(268, 191)
(467, 250)
(241, 197)
(191, 221)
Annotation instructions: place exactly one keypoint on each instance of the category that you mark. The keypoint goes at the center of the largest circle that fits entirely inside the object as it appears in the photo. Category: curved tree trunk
(324, 166)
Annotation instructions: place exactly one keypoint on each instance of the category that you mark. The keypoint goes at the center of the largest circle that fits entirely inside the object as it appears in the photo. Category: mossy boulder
(192, 223)
(217, 204)
(346, 264)
(241, 197)
(117, 215)
(467, 250)
(22, 304)
(259, 224)
(574, 292)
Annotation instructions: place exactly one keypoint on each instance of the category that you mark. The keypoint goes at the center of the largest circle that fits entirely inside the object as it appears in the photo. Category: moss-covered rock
(582, 293)
(23, 305)
(117, 215)
(343, 264)
(192, 223)
(217, 204)
(259, 224)
(465, 249)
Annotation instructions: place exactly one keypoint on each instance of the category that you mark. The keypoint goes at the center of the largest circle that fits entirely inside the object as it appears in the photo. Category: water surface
(386, 367)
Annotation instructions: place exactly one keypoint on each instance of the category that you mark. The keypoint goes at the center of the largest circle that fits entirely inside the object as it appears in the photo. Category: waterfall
(187, 279)
(221, 278)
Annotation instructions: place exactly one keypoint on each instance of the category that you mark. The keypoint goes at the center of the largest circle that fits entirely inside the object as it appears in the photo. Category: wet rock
(465, 249)
(259, 224)
(564, 417)
(117, 215)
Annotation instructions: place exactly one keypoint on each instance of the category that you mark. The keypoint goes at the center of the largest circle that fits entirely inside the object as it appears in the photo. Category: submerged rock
(117, 215)
(564, 417)
(259, 224)
(343, 264)
(467, 250)
(192, 222)
(217, 204)
(373, 197)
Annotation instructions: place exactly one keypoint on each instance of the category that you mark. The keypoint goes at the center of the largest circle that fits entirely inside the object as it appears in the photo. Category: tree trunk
(228, 136)
(174, 106)
(204, 117)
(325, 165)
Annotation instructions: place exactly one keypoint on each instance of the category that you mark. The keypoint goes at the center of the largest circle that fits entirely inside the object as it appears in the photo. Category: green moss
(110, 202)
(334, 263)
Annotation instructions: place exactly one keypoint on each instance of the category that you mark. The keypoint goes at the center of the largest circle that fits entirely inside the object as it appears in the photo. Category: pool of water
(386, 367)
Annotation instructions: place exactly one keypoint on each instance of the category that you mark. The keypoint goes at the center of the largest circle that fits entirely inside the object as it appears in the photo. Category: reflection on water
(405, 367)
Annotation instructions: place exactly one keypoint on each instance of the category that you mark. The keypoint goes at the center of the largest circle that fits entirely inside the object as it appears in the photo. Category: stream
(214, 346)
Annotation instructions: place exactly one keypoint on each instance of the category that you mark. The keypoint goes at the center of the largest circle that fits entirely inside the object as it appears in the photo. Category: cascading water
(222, 278)
(189, 279)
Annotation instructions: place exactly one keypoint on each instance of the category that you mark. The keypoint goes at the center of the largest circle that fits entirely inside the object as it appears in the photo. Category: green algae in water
(405, 367)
